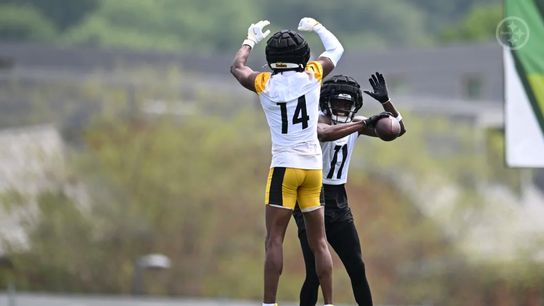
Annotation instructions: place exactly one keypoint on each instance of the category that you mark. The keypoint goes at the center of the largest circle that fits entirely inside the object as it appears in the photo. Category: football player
(338, 131)
(289, 96)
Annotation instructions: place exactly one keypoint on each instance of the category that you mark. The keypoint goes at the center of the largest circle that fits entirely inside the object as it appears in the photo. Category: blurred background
(133, 165)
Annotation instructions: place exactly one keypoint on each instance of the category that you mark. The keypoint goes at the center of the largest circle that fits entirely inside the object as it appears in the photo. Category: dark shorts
(336, 206)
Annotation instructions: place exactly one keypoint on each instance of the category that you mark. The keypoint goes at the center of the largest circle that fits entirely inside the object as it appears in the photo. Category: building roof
(471, 71)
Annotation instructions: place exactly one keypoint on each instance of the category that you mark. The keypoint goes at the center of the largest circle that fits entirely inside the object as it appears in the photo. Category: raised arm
(379, 92)
(333, 48)
(243, 73)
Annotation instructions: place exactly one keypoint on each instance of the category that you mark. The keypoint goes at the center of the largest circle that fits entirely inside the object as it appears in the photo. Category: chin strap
(342, 119)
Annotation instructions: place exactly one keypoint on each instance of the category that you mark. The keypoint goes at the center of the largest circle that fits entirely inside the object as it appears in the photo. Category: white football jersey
(290, 101)
(336, 158)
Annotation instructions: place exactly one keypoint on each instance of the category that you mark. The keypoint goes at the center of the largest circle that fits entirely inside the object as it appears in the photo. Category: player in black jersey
(338, 130)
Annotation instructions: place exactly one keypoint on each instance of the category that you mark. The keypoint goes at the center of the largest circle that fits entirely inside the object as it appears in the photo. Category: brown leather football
(387, 128)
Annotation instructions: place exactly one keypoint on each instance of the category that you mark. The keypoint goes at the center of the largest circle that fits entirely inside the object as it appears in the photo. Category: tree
(24, 23)
(479, 25)
(171, 25)
(360, 24)
(63, 14)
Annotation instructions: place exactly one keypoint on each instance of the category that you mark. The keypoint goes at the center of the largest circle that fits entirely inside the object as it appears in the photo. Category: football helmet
(340, 98)
(287, 50)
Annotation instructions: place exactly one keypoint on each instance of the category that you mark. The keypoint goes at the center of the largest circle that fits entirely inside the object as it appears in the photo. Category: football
(387, 128)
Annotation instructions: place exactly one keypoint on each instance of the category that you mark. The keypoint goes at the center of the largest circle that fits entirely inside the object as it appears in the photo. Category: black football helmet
(340, 98)
(287, 50)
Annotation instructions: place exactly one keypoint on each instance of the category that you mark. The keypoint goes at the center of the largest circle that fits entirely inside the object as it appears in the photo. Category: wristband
(318, 27)
(388, 101)
(399, 117)
(249, 42)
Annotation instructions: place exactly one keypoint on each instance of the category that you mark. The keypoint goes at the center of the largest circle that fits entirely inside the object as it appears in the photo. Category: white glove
(308, 24)
(255, 33)
(333, 48)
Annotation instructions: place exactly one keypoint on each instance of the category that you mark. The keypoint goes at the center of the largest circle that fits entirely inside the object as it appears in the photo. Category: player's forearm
(334, 132)
(240, 60)
(244, 74)
(333, 47)
(389, 107)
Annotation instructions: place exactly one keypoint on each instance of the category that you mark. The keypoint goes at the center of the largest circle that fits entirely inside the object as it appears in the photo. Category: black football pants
(342, 236)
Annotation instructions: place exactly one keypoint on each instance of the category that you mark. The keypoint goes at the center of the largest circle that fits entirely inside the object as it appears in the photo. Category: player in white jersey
(338, 131)
(289, 96)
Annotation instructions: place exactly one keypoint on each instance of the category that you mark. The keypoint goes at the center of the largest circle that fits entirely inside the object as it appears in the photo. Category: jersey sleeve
(261, 80)
(316, 68)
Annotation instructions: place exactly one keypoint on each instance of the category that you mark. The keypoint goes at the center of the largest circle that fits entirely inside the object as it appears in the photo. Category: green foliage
(498, 172)
(479, 25)
(441, 13)
(155, 184)
(357, 23)
(213, 27)
(189, 183)
(165, 24)
(437, 149)
(58, 235)
(24, 23)
(62, 13)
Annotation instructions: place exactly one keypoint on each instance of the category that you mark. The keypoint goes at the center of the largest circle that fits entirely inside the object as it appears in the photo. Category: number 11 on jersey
(335, 160)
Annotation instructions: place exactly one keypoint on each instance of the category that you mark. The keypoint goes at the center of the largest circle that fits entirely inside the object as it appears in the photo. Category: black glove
(379, 88)
(371, 122)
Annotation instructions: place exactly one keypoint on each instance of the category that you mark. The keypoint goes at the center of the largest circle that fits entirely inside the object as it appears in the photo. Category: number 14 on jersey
(300, 115)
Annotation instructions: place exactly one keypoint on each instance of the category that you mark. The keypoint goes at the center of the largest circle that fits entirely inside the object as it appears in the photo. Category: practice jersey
(336, 159)
(290, 101)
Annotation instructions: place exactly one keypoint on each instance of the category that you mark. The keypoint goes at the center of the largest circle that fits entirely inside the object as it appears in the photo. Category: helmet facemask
(342, 108)
(340, 98)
